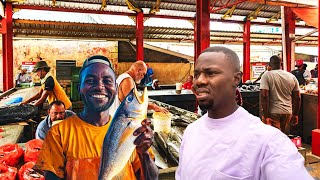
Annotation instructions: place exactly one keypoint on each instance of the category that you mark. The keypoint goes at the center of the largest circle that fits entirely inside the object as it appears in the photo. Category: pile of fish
(249, 88)
(166, 146)
(17, 113)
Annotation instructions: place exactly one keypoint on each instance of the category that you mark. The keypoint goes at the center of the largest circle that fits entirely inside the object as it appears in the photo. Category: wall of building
(167, 73)
(52, 50)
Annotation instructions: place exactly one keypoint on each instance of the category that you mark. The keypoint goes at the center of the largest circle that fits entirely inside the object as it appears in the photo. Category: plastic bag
(33, 148)
(27, 173)
(7, 172)
(10, 154)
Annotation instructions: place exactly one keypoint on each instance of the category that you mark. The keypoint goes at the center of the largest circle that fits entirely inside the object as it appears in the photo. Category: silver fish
(118, 143)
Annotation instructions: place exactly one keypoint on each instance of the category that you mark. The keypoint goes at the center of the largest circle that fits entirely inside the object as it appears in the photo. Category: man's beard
(95, 108)
(205, 106)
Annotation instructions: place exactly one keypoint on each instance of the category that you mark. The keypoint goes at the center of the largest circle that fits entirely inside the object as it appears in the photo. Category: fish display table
(186, 100)
(25, 93)
(10, 133)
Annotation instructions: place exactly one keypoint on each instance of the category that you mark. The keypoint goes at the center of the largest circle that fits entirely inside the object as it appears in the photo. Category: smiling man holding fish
(228, 143)
(73, 148)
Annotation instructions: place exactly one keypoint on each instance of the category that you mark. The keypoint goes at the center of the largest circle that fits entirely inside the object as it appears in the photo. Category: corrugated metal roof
(102, 26)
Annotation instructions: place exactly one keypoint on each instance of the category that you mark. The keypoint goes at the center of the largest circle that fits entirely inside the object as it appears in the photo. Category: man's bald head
(137, 71)
(231, 56)
(138, 65)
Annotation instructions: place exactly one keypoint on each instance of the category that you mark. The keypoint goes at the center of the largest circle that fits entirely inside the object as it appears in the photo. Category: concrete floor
(312, 163)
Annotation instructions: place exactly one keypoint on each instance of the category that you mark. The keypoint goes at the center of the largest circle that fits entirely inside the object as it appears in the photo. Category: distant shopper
(155, 84)
(56, 112)
(314, 72)
(299, 72)
(50, 88)
(147, 79)
(280, 97)
(23, 77)
(188, 84)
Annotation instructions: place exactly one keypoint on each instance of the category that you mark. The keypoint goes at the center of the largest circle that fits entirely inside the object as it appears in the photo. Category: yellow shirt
(57, 93)
(72, 150)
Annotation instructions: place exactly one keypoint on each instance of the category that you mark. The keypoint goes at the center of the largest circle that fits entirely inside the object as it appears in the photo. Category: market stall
(15, 120)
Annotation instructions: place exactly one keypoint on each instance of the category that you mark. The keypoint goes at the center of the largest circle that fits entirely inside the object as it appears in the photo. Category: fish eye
(130, 97)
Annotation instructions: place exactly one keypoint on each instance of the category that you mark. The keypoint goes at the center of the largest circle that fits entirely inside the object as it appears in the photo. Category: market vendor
(128, 80)
(50, 88)
(72, 148)
(56, 112)
(23, 77)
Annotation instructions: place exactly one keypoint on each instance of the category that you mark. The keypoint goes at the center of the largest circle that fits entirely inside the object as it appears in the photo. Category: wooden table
(11, 134)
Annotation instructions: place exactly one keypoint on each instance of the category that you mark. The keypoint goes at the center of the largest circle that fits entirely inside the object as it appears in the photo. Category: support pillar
(318, 112)
(289, 35)
(315, 144)
(7, 48)
(139, 36)
(202, 26)
(246, 51)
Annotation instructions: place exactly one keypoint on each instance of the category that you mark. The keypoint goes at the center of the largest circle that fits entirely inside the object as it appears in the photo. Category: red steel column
(246, 51)
(318, 112)
(139, 36)
(202, 26)
(7, 48)
(290, 26)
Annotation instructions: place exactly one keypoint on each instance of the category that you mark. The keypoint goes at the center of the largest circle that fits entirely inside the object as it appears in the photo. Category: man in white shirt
(228, 143)
(23, 77)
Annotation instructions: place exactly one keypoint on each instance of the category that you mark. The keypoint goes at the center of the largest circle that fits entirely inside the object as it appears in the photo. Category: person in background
(188, 84)
(228, 142)
(268, 68)
(23, 77)
(280, 97)
(306, 74)
(128, 80)
(56, 112)
(50, 88)
(299, 72)
(147, 79)
(314, 72)
(72, 148)
(155, 84)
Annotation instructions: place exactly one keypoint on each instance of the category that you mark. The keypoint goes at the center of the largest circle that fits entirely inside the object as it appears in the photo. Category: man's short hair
(58, 103)
(232, 57)
(275, 60)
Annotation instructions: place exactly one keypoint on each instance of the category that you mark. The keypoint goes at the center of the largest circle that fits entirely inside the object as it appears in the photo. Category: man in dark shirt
(298, 73)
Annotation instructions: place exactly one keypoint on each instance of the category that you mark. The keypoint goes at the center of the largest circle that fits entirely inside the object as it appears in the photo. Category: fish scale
(118, 143)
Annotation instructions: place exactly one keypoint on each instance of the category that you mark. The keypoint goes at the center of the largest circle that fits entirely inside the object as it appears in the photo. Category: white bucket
(178, 88)
(162, 122)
